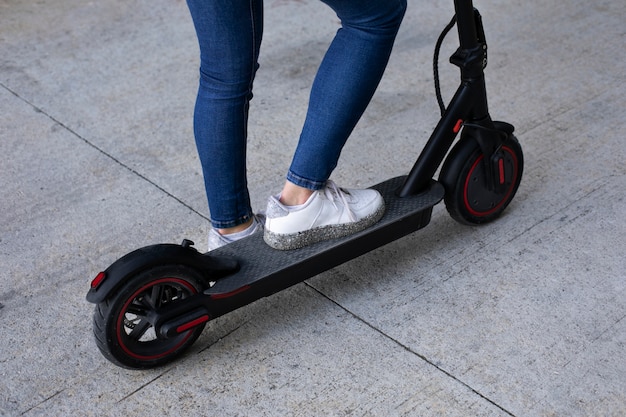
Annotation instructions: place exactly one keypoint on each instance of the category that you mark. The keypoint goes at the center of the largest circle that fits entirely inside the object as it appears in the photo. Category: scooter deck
(268, 270)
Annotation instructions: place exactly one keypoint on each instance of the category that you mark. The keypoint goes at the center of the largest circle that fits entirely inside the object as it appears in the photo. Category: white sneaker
(329, 213)
(217, 241)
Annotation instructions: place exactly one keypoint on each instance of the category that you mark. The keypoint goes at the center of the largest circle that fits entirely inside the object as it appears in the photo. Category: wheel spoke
(157, 292)
(139, 329)
(152, 297)
(137, 309)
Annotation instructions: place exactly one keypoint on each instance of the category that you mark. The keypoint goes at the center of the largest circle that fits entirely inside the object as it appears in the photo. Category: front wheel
(470, 198)
(122, 323)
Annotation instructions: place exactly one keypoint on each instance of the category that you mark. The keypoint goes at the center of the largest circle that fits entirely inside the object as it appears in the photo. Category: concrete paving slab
(71, 211)
(521, 317)
(280, 363)
(84, 66)
(513, 305)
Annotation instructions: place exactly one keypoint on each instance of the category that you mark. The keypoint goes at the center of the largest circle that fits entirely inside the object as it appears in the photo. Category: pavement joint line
(574, 106)
(219, 339)
(144, 385)
(561, 210)
(610, 327)
(411, 351)
(42, 402)
(103, 152)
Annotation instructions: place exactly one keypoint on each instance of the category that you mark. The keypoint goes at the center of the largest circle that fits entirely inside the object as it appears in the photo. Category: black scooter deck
(269, 270)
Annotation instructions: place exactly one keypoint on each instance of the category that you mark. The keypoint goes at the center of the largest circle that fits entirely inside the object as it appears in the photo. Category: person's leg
(311, 208)
(229, 34)
(344, 85)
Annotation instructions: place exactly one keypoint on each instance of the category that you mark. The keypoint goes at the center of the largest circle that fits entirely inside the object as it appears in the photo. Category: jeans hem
(304, 182)
(218, 224)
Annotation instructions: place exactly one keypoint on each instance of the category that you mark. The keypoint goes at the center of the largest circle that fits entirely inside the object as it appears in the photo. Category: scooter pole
(440, 141)
(468, 104)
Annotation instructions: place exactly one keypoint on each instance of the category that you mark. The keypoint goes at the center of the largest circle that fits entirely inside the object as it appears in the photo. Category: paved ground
(523, 317)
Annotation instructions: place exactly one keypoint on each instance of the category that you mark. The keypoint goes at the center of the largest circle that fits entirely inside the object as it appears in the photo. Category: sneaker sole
(308, 237)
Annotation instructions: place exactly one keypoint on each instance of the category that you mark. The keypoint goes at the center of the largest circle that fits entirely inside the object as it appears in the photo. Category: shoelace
(332, 191)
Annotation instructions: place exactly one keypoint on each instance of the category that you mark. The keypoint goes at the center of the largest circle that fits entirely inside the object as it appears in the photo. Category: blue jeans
(229, 33)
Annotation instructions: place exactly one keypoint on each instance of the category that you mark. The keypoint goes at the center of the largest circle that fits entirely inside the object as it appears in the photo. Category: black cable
(447, 29)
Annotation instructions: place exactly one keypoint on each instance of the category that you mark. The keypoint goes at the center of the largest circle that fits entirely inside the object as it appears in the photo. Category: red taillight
(98, 280)
(457, 126)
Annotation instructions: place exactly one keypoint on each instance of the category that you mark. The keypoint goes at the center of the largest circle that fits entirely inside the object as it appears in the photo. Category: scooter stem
(468, 104)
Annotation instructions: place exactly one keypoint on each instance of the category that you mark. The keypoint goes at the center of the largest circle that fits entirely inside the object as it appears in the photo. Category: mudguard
(108, 281)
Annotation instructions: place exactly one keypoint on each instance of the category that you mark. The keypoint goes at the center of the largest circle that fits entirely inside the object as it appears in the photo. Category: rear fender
(109, 280)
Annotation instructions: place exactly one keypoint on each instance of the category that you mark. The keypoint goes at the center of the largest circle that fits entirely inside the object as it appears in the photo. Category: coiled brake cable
(442, 36)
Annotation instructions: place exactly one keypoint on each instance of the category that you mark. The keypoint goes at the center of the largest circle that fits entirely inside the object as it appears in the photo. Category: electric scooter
(153, 303)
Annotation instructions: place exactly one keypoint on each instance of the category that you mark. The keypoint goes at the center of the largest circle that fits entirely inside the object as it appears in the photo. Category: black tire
(122, 332)
(464, 175)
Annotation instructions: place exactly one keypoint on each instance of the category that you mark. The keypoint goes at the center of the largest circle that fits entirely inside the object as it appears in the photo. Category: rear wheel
(466, 176)
(122, 323)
